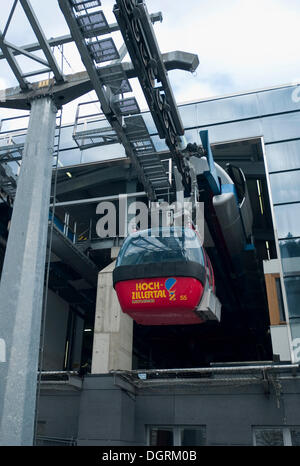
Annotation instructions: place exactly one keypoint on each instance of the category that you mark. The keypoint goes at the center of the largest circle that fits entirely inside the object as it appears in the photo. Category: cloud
(251, 43)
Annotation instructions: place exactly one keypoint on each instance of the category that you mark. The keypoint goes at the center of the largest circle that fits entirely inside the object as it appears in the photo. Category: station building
(106, 380)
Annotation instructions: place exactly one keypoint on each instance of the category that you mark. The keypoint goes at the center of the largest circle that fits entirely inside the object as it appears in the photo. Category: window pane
(285, 187)
(161, 437)
(70, 157)
(191, 437)
(233, 131)
(281, 127)
(292, 285)
(290, 255)
(219, 110)
(278, 100)
(66, 138)
(288, 220)
(295, 434)
(295, 331)
(283, 156)
(95, 154)
(269, 437)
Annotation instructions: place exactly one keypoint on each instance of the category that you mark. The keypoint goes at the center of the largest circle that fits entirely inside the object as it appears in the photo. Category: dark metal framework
(140, 39)
(87, 24)
(135, 25)
(113, 106)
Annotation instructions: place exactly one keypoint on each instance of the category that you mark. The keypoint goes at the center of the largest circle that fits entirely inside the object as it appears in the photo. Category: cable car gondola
(163, 276)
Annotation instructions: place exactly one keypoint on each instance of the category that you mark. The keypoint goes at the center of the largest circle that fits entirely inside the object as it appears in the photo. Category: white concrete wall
(271, 266)
(113, 331)
(280, 342)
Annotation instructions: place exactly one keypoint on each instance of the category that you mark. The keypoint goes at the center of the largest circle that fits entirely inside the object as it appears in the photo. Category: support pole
(22, 283)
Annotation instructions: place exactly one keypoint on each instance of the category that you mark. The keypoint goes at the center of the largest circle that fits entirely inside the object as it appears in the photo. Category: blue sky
(242, 44)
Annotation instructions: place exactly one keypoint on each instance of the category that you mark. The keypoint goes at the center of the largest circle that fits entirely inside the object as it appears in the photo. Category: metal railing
(55, 441)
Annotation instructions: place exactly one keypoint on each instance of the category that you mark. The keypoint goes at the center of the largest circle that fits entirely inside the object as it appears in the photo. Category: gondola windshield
(161, 245)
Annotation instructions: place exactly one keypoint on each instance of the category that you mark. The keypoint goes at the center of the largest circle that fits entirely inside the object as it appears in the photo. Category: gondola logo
(169, 284)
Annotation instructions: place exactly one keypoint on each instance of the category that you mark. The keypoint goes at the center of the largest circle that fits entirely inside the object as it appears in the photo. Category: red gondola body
(151, 301)
(162, 280)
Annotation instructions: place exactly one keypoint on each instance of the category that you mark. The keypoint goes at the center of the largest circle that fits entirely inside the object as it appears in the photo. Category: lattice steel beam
(27, 54)
(11, 13)
(13, 63)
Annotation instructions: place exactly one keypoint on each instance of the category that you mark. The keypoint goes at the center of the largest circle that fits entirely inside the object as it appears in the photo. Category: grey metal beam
(36, 72)
(22, 284)
(75, 86)
(13, 63)
(27, 54)
(250, 169)
(69, 254)
(11, 13)
(94, 200)
(42, 39)
(78, 84)
(66, 39)
(94, 178)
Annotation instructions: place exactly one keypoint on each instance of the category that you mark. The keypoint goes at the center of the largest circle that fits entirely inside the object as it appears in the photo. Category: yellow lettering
(44, 83)
(154, 286)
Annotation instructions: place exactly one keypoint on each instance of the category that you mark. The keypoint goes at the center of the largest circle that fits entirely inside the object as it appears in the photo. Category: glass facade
(283, 156)
(293, 295)
(272, 114)
(288, 223)
(285, 187)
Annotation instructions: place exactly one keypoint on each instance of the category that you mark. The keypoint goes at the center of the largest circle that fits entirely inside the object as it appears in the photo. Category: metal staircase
(123, 123)
(149, 160)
